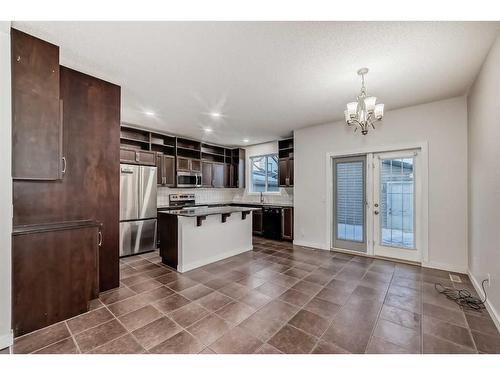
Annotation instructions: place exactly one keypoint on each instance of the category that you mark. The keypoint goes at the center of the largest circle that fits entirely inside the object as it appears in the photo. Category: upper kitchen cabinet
(36, 109)
(238, 162)
(165, 165)
(285, 170)
(213, 174)
(135, 147)
(130, 156)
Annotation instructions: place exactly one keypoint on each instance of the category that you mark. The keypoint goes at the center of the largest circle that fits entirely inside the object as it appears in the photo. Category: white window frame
(250, 175)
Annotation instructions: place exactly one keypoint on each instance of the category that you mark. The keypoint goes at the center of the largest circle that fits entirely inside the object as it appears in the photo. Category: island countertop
(206, 211)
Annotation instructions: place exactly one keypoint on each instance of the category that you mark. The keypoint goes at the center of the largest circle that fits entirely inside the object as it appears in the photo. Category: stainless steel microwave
(188, 179)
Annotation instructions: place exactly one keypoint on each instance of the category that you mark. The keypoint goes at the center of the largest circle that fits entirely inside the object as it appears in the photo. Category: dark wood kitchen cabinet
(188, 165)
(195, 165)
(131, 156)
(54, 273)
(218, 175)
(91, 185)
(37, 149)
(257, 222)
(285, 168)
(228, 175)
(285, 172)
(165, 166)
(212, 174)
(238, 162)
(206, 174)
(54, 267)
(287, 223)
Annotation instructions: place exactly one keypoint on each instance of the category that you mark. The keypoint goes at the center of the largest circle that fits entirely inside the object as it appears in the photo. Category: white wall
(443, 125)
(5, 187)
(484, 177)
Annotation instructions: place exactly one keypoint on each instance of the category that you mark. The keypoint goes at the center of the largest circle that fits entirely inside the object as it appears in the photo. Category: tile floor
(278, 298)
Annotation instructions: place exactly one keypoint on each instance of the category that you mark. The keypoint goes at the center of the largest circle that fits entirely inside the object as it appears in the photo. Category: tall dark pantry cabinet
(66, 155)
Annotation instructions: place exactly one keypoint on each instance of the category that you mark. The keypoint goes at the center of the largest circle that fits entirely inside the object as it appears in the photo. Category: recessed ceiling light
(215, 114)
(246, 140)
(149, 113)
(207, 130)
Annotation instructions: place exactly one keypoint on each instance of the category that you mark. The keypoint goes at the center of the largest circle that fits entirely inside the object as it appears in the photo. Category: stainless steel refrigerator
(137, 209)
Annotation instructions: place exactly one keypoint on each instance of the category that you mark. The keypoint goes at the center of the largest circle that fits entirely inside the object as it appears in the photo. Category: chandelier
(363, 113)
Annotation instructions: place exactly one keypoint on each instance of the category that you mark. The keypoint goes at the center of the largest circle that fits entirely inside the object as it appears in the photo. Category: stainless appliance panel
(188, 179)
(146, 235)
(137, 236)
(147, 192)
(129, 192)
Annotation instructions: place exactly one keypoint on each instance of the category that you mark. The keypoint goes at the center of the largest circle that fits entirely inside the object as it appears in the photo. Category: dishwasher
(271, 222)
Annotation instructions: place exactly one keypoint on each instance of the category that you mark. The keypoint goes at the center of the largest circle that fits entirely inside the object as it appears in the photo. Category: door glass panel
(349, 201)
(397, 189)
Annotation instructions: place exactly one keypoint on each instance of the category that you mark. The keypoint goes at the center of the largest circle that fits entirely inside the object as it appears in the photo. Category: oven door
(188, 179)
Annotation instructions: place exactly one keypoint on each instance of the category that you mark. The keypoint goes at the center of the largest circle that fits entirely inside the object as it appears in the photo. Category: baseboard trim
(444, 267)
(204, 262)
(493, 312)
(311, 244)
(6, 340)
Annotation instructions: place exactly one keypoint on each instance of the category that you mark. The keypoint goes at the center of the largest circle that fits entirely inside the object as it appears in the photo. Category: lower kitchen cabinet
(257, 222)
(54, 272)
(287, 223)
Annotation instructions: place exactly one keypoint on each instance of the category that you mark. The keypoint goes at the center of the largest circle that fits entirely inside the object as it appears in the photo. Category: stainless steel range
(178, 201)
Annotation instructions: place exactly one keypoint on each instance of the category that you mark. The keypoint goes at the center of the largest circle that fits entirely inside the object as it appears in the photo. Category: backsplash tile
(285, 196)
(214, 196)
(202, 196)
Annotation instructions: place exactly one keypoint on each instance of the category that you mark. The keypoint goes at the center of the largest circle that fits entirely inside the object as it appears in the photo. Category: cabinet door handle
(137, 157)
(64, 164)
(100, 238)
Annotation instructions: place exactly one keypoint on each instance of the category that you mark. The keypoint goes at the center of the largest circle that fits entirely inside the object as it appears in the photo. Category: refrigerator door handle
(140, 197)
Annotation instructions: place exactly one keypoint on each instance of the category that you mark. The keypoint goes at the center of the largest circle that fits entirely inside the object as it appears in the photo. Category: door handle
(100, 239)
(64, 164)
(375, 212)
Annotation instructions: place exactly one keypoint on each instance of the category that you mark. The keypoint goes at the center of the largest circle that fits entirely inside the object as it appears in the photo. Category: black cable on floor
(462, 296)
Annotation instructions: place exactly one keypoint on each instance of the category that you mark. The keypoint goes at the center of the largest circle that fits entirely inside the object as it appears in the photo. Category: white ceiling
(267, 78)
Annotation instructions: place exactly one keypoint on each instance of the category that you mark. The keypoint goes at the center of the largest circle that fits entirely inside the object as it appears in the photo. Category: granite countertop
(212, 204)
(243, 204)
(206, 211)
(265, 204)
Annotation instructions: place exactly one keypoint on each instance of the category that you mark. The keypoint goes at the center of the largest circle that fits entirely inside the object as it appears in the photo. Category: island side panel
(213, 240)
(168, 230)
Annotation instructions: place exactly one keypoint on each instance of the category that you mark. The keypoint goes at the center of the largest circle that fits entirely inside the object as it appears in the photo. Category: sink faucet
(261, 197)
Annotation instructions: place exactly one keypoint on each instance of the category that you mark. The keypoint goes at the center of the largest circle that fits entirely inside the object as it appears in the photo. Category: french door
(377, 210)
(349, 202)
(396, 202)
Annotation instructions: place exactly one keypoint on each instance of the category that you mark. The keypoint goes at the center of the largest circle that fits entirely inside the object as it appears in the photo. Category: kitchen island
(193, 237)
